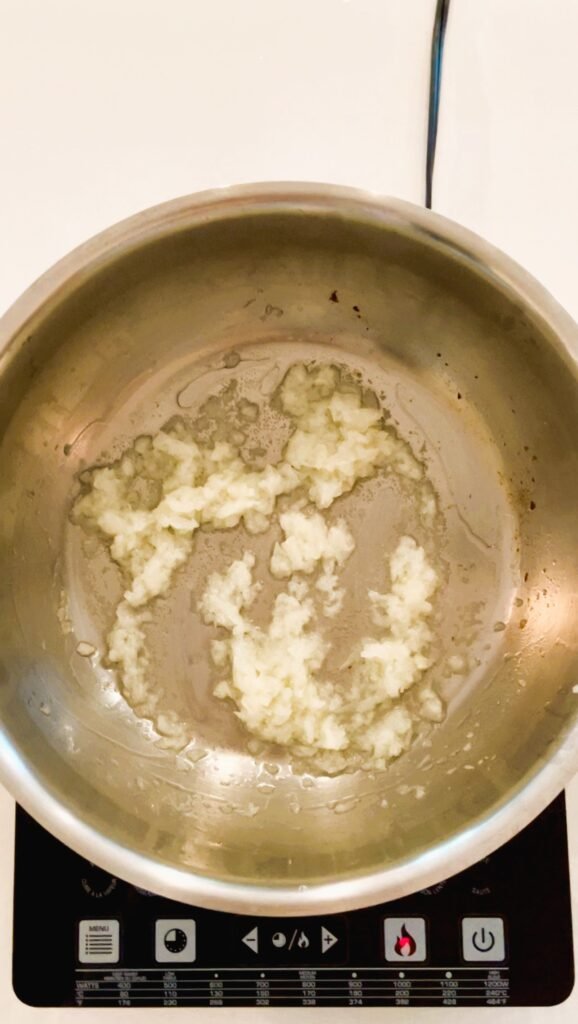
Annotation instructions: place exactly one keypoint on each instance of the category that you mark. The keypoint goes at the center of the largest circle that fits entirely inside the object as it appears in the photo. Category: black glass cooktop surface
(498, 934)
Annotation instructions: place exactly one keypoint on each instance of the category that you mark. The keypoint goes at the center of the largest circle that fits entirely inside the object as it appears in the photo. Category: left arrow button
(251, 939)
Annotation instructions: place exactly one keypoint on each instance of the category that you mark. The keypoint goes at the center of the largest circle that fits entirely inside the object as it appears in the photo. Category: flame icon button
(299, 940)
(405, 939)
(405, 943)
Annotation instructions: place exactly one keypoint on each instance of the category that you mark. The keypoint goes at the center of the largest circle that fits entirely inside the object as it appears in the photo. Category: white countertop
(108, 107)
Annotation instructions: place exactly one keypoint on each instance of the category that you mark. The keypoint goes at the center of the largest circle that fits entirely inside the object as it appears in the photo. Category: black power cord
(436, 62)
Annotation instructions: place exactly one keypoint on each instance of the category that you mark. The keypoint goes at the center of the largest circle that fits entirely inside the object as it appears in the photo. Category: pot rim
(520, 805)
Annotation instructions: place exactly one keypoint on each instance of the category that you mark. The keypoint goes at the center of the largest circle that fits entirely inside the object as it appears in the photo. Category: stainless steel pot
(474, 358)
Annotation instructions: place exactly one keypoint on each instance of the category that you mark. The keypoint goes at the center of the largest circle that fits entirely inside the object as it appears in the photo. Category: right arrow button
(328, 939)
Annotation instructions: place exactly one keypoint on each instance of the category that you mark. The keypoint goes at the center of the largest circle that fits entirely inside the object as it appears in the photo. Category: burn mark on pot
(271, 311)
(33, 365)
(69, 446)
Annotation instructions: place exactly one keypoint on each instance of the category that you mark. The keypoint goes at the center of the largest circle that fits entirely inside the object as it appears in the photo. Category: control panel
(498, 934)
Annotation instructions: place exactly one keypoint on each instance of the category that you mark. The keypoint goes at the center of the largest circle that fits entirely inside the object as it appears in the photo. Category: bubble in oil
(266, 788)
(270, 381)
(343, 806)
(85, 649)
(248, 410)
(249, 811)
(231, 360)
(196, 754)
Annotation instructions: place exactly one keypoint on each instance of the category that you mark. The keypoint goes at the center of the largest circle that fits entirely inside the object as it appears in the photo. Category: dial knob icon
(97, 883)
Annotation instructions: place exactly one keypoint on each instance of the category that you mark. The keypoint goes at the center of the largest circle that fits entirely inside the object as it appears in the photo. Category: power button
(483, 939)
